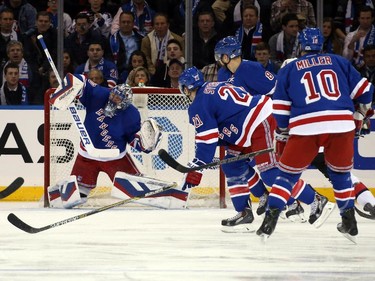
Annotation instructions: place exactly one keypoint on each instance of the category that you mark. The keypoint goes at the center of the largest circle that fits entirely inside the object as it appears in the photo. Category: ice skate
(269, 224)
(262, 204)
(295, 212)
(348, 226)
(240, 223)
(368, 211)
(321, 208)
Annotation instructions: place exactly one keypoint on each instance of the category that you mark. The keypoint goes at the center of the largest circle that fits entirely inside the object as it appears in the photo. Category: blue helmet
(191, 79)
(311, 39)
(229, 46)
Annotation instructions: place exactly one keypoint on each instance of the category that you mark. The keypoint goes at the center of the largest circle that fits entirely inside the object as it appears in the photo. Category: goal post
(169, 108)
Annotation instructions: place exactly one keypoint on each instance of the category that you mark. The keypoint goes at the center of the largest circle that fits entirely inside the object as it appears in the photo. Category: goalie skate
(240, 223)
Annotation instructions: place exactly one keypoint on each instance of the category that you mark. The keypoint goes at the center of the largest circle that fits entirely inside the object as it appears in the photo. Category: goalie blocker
(66, 194)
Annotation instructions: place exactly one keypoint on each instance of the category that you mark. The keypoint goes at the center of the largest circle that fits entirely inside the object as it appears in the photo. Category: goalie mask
(120, 98)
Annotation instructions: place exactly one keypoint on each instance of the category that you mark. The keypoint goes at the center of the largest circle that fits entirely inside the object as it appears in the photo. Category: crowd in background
(143, 43)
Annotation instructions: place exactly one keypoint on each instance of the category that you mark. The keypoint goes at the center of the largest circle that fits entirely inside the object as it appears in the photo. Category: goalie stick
(83, 134)
(183, 169)
(17, 222)
(16, 184)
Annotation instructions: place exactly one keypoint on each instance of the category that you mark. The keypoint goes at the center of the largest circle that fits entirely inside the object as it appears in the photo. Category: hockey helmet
(190, 79)
(311, 39)
(229, 46)
(120, 97)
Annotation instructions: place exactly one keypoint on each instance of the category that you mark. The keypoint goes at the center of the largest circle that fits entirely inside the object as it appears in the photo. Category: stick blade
(172, 162)
(16, 184)
(13, 219)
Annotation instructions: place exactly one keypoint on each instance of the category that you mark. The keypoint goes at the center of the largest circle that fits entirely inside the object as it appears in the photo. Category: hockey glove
(366, 126)
(281, 136)
(193, 178)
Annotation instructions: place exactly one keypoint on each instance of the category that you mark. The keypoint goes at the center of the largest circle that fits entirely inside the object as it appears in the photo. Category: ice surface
(133, 244)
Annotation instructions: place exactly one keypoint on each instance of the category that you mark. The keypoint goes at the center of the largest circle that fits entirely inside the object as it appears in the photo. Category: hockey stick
(364, 215)
(183, 169)
(17, 222)
(16, 184)
(83, 134)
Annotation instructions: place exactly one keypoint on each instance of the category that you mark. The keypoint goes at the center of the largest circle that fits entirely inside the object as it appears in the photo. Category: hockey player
(111, 122)
(224, 114)
(257, 81)
(250, 75)
(313, 107)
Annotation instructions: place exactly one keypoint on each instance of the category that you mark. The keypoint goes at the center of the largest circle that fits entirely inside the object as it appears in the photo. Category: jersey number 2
(325, 84)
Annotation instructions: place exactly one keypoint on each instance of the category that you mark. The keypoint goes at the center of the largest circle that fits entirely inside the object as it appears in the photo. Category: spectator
(67, 20)
(15, 55)
(97, 77)
(345, 17)
(49, 81)
(68, 64)
(205, 38)
(175, 69)
(7, 33)
(124, 41)
(250, 32)
(368, 68)
(364, 35)
(24, 15)
(34, 52)
(143, 16)
(210, 72)
(332, 43)
(262, 55)
(284, 45)
(78, 42)
(174, 51)
(13, 92)
(100, 18)
(96, 60)
(137, 58)
(178, 20)
(138, 77)
(155, 43)
(238, 10)
(299, 7)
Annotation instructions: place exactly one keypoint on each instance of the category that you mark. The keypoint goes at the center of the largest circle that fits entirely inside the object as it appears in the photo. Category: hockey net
(169, 108)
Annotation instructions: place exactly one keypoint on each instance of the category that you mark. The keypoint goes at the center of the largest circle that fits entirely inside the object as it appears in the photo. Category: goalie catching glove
(193, 178)
(148, 137)
(281, 136)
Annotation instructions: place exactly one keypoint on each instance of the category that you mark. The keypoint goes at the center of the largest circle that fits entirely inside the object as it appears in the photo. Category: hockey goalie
(112, 122)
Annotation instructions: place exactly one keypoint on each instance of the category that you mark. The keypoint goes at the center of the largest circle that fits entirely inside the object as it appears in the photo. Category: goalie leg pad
(54, 196)
(70, 195)
(128, 186)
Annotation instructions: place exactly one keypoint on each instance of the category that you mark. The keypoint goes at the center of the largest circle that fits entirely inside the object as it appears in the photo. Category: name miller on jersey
(313, 61)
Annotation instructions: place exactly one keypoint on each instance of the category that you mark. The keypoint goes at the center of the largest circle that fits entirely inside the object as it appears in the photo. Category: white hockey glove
(281, 136)
(362, 116)
(193, 178)
(65, 95)
(149, 135)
